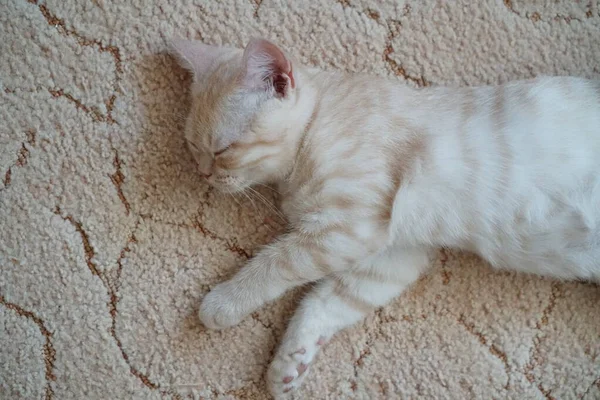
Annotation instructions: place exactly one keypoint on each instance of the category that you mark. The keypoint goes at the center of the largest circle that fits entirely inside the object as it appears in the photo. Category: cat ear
(266, 67)
(195, 55)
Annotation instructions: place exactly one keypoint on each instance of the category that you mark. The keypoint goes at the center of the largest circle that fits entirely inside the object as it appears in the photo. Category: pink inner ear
(196, 56)
(265, 62)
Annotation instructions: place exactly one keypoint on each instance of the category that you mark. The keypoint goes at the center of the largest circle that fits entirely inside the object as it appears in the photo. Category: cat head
(240, 126)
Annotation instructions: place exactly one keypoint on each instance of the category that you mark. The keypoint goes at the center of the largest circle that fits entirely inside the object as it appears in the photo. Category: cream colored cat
(376, 175)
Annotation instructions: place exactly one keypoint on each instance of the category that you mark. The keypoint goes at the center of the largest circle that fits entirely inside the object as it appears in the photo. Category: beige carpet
(109, 240)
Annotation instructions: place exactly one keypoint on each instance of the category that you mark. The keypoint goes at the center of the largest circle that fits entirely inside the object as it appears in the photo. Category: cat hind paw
(290, 366)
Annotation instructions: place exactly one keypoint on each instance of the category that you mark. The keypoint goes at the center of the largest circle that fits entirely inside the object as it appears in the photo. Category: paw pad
(301, 351)
(301, 368)
(292, 363)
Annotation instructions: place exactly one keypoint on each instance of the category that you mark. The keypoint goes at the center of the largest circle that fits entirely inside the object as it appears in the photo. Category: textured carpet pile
(109, 240)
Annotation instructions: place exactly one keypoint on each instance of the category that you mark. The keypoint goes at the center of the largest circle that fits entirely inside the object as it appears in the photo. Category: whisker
(267, 203)
(266, 186)
(242, 191)
(235, 199)
(273, 207)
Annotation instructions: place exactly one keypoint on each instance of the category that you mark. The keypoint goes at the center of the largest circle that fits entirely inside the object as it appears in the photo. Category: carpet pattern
(110, 240)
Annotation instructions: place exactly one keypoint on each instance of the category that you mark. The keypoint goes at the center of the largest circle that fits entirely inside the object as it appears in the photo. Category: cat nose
(205, 167)
(204, 170)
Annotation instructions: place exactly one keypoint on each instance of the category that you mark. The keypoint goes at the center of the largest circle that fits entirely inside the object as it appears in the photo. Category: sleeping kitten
(376, 175)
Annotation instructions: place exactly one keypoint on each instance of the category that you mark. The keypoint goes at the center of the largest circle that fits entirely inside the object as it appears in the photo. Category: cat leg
(291, 261)
(337, 302)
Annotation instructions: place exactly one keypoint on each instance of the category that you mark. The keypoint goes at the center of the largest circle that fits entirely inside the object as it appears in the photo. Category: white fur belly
(541, 233)
(552, 236)
(514, 178)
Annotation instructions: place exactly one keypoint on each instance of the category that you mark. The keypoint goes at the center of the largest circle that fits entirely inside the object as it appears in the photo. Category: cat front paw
(291, 364)
(219, 309)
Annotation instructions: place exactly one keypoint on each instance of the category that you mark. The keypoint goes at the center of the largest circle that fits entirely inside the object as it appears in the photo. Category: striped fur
(375, 175)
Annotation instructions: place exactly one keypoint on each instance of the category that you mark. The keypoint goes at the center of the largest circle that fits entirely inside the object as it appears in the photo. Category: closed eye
(194, 147)
(217, 153)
